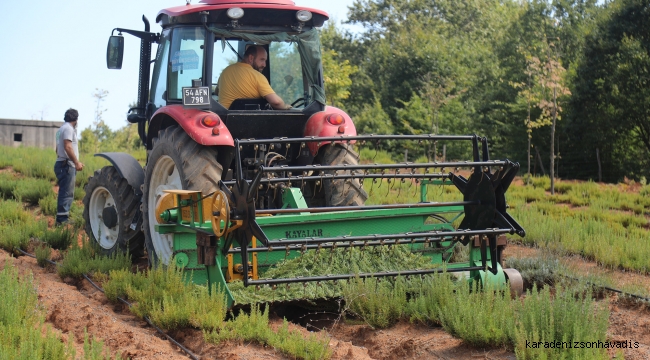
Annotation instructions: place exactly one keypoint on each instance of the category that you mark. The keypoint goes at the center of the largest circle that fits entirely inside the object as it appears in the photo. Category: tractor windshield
(283, 69)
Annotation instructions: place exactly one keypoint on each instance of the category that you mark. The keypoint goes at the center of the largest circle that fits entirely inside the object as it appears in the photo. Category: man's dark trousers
(65, 174)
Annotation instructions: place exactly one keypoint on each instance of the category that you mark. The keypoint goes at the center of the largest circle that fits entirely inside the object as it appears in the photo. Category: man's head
(71, 115)
(256, 56)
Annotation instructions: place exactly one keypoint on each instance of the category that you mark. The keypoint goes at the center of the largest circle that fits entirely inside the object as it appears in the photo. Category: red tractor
(190, 136)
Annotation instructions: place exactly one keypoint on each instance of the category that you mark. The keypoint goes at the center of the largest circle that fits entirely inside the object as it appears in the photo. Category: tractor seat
(250, 104)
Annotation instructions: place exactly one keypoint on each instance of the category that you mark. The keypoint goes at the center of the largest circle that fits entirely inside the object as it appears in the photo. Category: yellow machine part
(234, 271)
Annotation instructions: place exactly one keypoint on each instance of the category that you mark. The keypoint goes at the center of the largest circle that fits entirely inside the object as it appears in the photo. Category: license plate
(196, 96)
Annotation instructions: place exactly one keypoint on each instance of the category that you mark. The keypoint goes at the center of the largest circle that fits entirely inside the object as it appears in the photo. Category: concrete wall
(32, 133)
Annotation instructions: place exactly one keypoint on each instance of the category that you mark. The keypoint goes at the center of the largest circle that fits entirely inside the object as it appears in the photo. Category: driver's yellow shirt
(241, 81)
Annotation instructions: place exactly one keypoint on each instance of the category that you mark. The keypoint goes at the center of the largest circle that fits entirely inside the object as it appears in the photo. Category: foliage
(336, 76)
(94, 349)
(165, 296)
(379, 303)
(59, 238)
(23, 333)
(539, 271)
(563, 318)
(32, 190)
(255, 327)
(87, 260)
(42, 253)
(611, 92)
(604, 223)
(48, 204)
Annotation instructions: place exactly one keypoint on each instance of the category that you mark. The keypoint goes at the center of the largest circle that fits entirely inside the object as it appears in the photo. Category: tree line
(532, 76)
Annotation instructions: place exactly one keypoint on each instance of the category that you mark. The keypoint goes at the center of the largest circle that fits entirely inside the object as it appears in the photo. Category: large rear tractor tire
(338, 192)
(109, 206)
(175, 162)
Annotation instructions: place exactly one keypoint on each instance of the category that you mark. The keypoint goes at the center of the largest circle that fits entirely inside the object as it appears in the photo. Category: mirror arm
(144, 35)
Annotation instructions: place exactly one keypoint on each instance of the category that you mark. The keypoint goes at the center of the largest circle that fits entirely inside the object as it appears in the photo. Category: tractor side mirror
(115, 52)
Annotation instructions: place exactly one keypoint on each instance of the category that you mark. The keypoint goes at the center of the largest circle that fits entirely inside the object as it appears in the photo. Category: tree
(337, 77)
(101, 130)
(610, 110)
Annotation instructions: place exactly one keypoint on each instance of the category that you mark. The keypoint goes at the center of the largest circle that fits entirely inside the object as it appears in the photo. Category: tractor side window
(159, 78)
(286, 71)
(186, 59)
(224, 55)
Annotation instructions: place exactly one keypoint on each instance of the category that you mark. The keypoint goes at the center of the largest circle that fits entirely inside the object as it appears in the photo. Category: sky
(53, 55)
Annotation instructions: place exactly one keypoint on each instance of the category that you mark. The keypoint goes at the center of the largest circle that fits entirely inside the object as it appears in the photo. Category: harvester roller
(237, 241)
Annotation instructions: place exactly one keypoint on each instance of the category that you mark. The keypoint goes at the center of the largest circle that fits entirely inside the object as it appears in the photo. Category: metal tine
(286, 154)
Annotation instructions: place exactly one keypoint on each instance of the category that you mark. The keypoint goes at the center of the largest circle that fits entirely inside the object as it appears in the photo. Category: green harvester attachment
(230, 237)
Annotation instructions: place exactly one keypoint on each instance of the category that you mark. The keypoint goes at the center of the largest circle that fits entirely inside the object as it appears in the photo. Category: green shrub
(31, 190)
(8, 183)
(380, 303)
(18, 234)
(59, 238)
(481, 317)
(538, 271)
(43, 253)
(564, 318)
(95, 350)
(255, 327)
(165, 296)
(87, 260)
(372, 156)
(48, 204)
(541, 182)
(79, 193)
(12, 211)
(23, 334)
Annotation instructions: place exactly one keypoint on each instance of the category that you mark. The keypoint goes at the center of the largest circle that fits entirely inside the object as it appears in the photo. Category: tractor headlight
(235, 13)
(303, 15)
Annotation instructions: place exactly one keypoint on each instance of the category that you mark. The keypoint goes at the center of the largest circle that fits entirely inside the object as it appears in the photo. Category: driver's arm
(277, 102)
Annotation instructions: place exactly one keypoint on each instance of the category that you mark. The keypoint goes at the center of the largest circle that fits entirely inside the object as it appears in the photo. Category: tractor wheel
(109, 206)
(338, 192)
(175, 162)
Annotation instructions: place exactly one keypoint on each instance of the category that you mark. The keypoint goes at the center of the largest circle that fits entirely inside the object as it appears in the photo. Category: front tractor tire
(109, 206)
(175, 162)
(338, 192)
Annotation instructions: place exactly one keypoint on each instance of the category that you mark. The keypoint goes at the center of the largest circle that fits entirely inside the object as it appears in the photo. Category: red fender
(190, 121)
(318, 126)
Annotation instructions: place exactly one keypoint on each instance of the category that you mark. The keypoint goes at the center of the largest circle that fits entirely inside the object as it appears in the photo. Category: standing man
(244, 80)
(67, 164)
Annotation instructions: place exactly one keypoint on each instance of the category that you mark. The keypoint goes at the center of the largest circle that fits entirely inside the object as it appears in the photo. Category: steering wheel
(299, 102)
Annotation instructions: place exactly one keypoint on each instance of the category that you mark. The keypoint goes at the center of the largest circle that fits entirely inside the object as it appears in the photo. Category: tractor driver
(244, 80)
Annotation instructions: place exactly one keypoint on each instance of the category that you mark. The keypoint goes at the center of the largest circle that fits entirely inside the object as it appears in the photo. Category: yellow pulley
(220, 212)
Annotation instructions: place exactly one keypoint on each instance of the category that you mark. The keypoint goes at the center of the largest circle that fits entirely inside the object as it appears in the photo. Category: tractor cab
(198, 41)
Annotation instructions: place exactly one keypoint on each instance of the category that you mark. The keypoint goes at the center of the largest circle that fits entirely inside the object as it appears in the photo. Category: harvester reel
(220, 212)
(242, 204)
